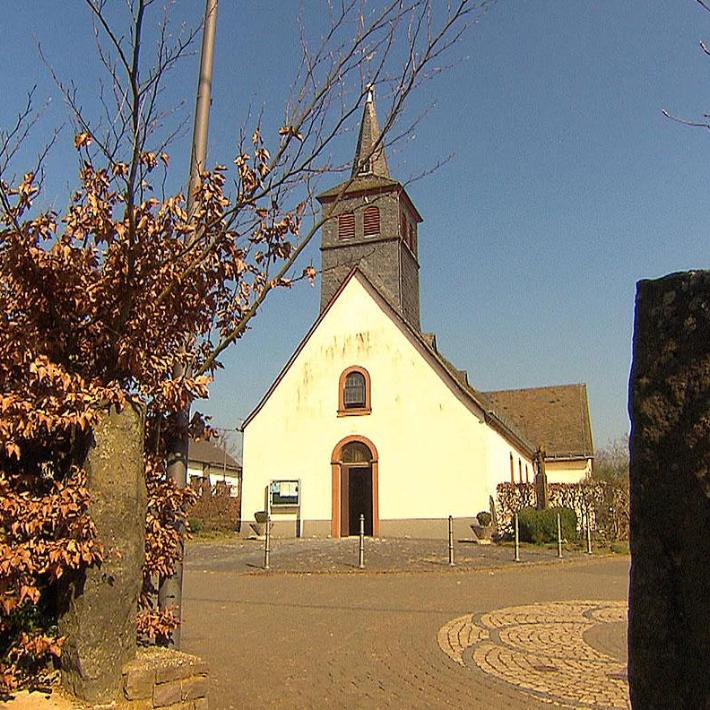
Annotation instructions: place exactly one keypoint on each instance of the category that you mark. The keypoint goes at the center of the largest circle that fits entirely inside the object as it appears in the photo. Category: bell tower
(371, 223)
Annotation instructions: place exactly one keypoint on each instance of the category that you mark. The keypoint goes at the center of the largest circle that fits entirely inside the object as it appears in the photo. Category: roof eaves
(455, 375)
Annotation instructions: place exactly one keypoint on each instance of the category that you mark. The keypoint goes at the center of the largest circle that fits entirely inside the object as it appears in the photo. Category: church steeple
(371, 223)
(370, 156)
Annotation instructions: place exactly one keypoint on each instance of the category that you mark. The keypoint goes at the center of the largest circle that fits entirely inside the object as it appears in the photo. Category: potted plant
(483, 528)
(259, 524)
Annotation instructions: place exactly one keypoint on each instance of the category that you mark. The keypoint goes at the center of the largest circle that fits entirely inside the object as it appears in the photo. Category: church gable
(360, 327)
(358, 324)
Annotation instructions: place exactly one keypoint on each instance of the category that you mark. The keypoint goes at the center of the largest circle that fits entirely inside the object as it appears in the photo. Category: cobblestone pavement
(341, 555)
(370, 639)
(549, 650)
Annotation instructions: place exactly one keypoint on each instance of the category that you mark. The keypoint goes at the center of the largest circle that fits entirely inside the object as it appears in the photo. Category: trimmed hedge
(539, 526)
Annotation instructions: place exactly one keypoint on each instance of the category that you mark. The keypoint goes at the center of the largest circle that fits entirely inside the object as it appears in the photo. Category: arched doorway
(354, 467)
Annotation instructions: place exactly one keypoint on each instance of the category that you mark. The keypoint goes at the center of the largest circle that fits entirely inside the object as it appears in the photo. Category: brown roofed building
(556, 419)
(206, 459)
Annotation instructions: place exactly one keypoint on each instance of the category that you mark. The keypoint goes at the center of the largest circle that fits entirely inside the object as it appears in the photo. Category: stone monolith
(98, 608)
(669, 404)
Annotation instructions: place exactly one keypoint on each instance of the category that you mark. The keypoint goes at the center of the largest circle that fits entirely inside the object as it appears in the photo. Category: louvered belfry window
(346, 226)
(354, 396)
(372, 221)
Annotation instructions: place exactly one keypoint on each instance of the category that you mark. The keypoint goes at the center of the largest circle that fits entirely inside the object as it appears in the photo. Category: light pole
(170, 592)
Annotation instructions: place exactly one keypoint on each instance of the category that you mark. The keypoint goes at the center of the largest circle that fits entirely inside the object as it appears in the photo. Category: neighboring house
(557, 419)
(368, 416)
(209, 460)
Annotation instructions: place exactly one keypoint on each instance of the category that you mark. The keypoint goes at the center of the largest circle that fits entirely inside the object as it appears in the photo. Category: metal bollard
(559, 536)
(267, 543)
(361, 550)
(517, 538)
(451, 542)
(589, 536)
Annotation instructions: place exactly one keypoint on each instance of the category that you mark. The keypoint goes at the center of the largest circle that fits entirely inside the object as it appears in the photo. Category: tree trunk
(99, 606)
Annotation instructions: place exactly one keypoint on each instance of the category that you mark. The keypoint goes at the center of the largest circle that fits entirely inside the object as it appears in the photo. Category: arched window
(527, 474)
(372, 221)
(354, 392)
(356, 452)
(520, 470)
(346, 226)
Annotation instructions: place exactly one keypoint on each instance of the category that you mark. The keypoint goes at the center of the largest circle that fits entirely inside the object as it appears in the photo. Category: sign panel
(284, 493)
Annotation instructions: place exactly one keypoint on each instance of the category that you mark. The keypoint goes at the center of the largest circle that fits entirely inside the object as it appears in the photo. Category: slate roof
(360, 184)
(555, 417)
(370, 148)
(207, 452)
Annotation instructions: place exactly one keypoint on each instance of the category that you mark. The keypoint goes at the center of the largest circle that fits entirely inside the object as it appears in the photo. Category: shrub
(484, 518)
(195, 524)
(539, 526)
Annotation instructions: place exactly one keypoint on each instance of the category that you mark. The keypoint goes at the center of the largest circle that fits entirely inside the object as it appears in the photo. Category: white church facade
(367, 417)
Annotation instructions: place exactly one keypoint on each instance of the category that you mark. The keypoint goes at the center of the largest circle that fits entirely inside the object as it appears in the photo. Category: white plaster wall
(433, 451)
(499, 461)
(568, 471)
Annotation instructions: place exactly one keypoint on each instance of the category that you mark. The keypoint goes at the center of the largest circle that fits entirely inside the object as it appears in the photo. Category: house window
(346, 226)
(527, 474)
(520, 470)
(372, 221)
(354, 392)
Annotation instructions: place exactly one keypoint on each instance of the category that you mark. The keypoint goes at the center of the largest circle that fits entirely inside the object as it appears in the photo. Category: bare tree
(394, 48)
(704, 120)
(141, 277)
(611, 463)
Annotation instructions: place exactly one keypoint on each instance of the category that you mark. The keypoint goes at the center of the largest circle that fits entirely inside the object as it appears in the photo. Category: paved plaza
(408, 631)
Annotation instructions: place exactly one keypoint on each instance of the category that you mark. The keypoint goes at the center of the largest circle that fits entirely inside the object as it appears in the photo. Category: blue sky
(566, 184)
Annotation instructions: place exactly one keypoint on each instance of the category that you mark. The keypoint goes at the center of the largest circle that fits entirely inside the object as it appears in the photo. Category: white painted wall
(436, 456)
(499, 461)
(572, 471)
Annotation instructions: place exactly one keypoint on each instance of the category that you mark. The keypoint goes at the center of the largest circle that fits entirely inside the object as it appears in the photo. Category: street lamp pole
(170, 592)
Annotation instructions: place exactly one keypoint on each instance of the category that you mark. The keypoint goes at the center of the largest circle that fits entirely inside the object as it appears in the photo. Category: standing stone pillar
(98, 607)
(541, 492)
(669, 403)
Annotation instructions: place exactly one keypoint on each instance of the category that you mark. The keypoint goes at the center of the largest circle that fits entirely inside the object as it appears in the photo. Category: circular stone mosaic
(561, 652)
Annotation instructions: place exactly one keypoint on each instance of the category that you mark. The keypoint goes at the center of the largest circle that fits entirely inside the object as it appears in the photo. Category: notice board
(285, 493)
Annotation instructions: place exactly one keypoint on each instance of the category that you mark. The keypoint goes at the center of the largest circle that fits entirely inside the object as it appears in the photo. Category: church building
(368, 417)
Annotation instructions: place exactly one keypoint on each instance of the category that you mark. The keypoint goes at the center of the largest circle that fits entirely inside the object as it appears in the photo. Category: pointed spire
(369, 134)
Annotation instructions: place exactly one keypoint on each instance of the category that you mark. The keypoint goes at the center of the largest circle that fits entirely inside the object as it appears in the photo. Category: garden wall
(164, 678)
